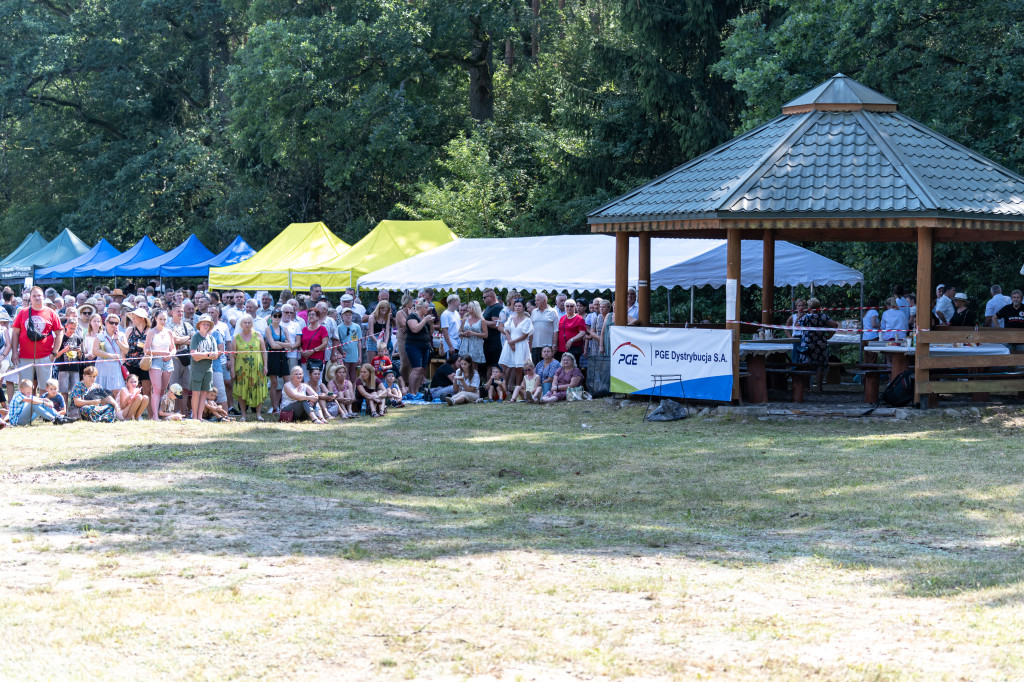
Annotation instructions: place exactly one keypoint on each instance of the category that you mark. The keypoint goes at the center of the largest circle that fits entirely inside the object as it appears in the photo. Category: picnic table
(901, 357)
(756, 353)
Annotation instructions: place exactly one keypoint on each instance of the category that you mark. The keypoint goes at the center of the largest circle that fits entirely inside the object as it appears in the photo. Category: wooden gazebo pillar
(621, 277)
(768, 278)
(925, 254)
(643, 285)
(732, 311)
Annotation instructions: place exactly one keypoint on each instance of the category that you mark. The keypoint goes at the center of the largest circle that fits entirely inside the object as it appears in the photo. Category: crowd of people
(108, 355)
(898, 319)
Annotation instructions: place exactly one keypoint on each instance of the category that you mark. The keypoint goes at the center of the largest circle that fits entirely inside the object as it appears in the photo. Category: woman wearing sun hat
(204, 352)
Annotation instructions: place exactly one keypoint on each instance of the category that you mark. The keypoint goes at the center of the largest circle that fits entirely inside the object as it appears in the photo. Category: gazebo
(840, 164)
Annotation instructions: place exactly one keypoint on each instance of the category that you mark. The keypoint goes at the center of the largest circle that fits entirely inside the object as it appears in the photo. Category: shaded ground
(507, 542)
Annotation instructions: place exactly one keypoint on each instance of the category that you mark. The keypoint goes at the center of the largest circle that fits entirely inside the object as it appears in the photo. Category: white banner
(688, 363)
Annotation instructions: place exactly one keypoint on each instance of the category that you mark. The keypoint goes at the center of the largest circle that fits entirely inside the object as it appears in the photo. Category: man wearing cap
(962, 316)
(944, 305)
(357, 305)
(204, 352)
(35, 333)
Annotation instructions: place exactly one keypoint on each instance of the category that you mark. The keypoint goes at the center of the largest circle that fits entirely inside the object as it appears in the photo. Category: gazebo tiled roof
(840, 149)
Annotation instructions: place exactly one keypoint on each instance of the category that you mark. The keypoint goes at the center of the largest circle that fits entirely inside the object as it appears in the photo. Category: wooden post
(643, 288)
(732, 304)
(768, 279)
(621, 277)
(925, 251)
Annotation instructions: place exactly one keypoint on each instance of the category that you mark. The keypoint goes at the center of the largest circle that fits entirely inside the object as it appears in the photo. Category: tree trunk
(481, 79)
(510, 53)
(535, 42)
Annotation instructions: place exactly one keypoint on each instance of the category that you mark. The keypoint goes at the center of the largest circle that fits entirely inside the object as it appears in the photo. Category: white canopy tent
(587, 263)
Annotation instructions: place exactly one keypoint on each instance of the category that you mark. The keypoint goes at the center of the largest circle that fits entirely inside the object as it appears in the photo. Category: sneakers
(234, 411)
(448, 399)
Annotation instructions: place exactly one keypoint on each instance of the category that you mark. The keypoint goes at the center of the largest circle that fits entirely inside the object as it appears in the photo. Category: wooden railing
(966, 381)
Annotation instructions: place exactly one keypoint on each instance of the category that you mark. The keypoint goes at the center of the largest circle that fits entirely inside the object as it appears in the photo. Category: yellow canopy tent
(388, 243)
(299, 245)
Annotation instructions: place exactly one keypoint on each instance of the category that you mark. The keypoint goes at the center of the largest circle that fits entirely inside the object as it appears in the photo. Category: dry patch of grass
(506, 542)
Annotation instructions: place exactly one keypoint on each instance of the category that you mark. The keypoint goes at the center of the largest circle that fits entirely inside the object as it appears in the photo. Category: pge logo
(627, 358)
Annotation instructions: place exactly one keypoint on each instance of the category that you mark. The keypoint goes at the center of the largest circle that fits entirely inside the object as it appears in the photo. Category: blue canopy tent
(144, 249)
(189, 252)
(103, 250)
(236, 252)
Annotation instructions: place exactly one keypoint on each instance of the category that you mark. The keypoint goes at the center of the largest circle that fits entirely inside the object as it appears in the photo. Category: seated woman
(495, 385)
(370, 390)
(328, 403)
(339, 384)
(529, 389)
(168, 403)
(300, 399)
(392, 389)
(94, 402)
(465, 382)
(131, 402)
(568, 376)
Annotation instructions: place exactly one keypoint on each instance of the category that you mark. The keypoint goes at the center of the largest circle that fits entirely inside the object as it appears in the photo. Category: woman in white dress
(517, 343)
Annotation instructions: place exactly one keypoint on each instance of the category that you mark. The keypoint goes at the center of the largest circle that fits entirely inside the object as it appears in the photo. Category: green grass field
(514, 542)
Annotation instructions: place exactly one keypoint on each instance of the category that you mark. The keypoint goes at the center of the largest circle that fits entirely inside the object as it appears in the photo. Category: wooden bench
(872, 375)
(801, 380)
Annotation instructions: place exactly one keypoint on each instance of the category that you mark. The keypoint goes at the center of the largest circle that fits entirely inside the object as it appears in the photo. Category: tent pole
(668, 303)
(861, 325)
(691, 305)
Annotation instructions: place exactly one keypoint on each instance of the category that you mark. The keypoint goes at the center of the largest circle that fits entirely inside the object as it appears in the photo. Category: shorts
(218, 383)
(66, 381)
(29, 369)
(419, 354)
(201, 382)
(181, 375)
(162, 364)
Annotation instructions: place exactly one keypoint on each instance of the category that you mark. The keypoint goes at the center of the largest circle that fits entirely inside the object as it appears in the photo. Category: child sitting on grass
(496, 388)
(212, 409)
(59, 406)
(329, 407)
(529, 390)
(392, 392)
(25, 407)
(340, 385)
(168, 402)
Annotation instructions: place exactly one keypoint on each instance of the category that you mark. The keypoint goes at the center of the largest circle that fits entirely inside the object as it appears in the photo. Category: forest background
(123, 118)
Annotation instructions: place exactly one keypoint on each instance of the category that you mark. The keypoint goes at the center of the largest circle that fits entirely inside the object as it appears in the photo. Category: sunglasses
(113, 321)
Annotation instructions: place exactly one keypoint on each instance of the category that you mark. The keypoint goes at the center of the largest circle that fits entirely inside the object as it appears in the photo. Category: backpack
(900, 391)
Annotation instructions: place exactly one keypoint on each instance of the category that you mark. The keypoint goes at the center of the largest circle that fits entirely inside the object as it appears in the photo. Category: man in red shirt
(35, 333)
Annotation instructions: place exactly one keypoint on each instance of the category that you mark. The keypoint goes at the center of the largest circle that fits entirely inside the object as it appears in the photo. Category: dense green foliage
(502, 117)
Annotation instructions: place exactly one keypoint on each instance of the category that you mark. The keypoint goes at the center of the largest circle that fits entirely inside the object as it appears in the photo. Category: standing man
(944, 304)
(294, 328)
(545, 324)
(492, 321)
(998, 301)
(183, 331)
(266, 308)
(451, 322)
(1013, 317)
(633, 311)
(357, 306)
(560, 305)
(35, 334)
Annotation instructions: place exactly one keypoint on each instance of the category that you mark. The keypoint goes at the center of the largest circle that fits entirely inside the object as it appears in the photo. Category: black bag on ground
(900, 391)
